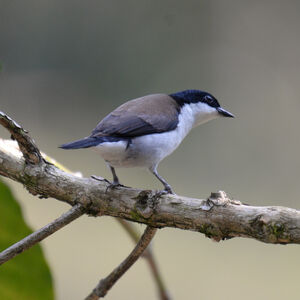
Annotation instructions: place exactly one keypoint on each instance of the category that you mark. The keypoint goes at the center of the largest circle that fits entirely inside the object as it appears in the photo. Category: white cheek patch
(203, 113)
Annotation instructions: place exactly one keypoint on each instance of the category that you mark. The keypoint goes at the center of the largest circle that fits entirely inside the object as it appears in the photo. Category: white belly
(144, 151)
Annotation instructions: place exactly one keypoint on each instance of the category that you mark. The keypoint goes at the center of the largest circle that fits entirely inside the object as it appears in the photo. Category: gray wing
(150, 114)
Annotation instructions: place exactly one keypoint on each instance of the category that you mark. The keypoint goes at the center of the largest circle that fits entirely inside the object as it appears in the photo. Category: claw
(164, 192)
(169, 190)
(113, 185)
(99, 178)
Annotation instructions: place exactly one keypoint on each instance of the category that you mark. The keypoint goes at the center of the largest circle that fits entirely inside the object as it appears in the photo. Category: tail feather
(83, 143)
(89, 142)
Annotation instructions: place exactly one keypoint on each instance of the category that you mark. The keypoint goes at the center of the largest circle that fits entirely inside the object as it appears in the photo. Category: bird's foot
(111, 185)
(169, 190)
(165, 192)
(114, 185)
(99, 178)
(161, 193)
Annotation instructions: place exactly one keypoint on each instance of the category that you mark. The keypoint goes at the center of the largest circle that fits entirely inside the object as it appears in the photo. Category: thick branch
(75, 212)
(148, 255)
(105, 284)
(217, 217)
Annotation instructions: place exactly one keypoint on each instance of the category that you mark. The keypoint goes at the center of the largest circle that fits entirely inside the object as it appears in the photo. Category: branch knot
(146, 203)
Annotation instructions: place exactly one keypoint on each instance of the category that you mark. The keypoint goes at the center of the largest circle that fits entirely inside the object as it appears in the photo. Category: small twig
(27, 146)
(105, 284)
(75, 212)
(148, 255)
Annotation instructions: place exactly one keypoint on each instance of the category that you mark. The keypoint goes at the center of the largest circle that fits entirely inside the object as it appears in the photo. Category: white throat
(198, 113)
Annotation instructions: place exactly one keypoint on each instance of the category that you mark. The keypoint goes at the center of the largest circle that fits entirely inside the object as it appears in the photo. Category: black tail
(90, 142)
(83, 143)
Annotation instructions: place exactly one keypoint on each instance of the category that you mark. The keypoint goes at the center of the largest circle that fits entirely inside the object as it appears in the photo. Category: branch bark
(75, 212)
(218, 217)
(105, 284)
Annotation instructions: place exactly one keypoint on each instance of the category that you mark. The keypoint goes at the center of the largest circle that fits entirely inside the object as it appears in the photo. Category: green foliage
(27, 276)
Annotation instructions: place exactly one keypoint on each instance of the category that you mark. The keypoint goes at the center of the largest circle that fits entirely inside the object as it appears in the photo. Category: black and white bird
(143, 131)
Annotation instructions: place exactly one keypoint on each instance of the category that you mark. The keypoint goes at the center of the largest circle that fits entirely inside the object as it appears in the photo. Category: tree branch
(75, 212)
(218, 217)
(105, 284)
(148, 255)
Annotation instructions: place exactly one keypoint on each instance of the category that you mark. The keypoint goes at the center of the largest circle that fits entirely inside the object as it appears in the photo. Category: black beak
(224, 112)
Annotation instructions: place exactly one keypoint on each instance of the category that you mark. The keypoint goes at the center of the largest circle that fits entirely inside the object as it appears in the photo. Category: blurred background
(66, 64)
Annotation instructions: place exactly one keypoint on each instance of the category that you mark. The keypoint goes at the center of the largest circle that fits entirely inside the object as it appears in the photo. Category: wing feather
(150, 114)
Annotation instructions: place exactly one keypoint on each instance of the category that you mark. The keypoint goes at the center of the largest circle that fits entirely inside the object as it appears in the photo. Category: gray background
(66, 64)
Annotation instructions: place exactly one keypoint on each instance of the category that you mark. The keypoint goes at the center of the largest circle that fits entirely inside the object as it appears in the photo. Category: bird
(143, 131)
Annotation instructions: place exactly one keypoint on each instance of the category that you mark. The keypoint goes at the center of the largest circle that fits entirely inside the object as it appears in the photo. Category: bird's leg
(99, 178)
(116, 181)
(168, 188)
(115, 177)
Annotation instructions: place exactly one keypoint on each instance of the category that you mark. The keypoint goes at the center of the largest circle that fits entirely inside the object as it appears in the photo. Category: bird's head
(202, 105)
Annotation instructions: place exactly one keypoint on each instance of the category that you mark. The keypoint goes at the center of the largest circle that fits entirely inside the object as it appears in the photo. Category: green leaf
(27, 276)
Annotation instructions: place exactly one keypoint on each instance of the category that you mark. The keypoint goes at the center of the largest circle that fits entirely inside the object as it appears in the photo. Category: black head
(196, 96)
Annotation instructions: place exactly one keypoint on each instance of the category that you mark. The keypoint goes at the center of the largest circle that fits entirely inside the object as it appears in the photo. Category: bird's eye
(211, 101)
(208, 99)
